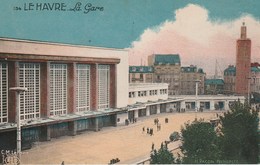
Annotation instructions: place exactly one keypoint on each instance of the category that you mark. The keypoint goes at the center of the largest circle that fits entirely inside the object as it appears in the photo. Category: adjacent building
(167, 69)
(141, 74)
(189, 76)
(214, 86)
(243, 62)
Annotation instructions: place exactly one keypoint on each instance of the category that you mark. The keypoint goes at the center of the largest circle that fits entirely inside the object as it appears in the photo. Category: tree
(199, 143)
(162, 156)
(239, 139)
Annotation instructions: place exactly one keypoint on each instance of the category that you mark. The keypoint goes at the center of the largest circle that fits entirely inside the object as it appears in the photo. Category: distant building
(189, 76)
(167, 69)
(214, 86)
(141, 74)
(230, 79)
(243, 62)
(255, 80)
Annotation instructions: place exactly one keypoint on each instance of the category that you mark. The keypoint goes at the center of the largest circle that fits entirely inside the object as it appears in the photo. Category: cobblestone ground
(128, 143)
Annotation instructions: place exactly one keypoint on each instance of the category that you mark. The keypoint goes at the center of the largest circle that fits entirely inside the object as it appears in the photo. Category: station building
(71, 88)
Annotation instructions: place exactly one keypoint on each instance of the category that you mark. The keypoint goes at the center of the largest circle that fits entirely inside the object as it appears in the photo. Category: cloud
(199, 40)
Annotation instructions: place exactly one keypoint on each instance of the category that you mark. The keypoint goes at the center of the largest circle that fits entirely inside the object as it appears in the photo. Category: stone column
(136, 113)
(212, 105)
(158, 108)
(198, 105)
(148, 110)
(226, 106)
(183, 105)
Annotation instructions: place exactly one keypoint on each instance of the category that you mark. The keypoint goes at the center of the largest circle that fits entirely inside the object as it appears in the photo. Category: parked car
(175, 136)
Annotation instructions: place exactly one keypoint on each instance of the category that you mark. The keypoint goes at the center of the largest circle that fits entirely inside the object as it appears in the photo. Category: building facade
(70, 89)
(167, 69)
(253, 82)
(230, 79)
(214, 86)
(143, 92)
(243, 62)
(141, 74)
(189, 77)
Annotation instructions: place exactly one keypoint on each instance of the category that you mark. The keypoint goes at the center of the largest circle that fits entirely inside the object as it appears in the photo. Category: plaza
(127, 143)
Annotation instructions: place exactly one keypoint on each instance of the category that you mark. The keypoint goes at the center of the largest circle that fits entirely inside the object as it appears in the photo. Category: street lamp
(196, 106)
(249, 87)
(18, 90)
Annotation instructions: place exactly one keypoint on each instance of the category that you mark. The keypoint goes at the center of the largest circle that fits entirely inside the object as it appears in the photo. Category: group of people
(148, 130)
(158, 125)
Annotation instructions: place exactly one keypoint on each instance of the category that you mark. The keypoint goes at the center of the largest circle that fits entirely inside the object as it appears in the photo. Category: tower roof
(243, 31)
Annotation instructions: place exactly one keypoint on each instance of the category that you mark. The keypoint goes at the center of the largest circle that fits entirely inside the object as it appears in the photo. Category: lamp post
(248, 90)
(196, 96)
(18, 91)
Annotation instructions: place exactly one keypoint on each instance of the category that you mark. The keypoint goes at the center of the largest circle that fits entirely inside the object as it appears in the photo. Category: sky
(200, 31)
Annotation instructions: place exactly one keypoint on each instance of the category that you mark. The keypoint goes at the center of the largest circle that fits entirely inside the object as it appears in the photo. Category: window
(3, 93)
(29, 77)
(103, 86)
(83, 87)
(58, 89)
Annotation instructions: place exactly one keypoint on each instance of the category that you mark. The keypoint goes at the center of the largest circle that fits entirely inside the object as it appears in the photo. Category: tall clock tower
(243, 62)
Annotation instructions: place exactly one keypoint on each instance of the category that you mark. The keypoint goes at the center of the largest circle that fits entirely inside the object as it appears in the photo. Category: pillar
(94, 87)
(212, 105)
(71, 101)
(45, 133)
(136, 113)
(45, 90)
(158, 108)
(13, 81)
(226, 106)
(198, 105)
(96, 124)
(113, 85)
(148, 110)
(183, 105)
(73, 128)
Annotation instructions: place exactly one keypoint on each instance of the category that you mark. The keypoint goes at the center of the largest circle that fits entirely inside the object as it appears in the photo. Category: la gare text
(59, 7)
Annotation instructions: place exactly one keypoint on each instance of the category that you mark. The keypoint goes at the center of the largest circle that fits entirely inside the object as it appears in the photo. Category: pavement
(127, 143)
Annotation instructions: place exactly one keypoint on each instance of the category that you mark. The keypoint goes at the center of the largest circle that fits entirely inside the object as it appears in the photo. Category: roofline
(59, 44)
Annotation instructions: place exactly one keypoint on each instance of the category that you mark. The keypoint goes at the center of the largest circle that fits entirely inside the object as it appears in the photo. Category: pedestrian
(62, 163)
(148, 131)
(151, 131)
(143, 129)
(152, 146)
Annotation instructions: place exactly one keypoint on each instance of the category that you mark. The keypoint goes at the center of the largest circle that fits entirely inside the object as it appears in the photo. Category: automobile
(175, 136)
